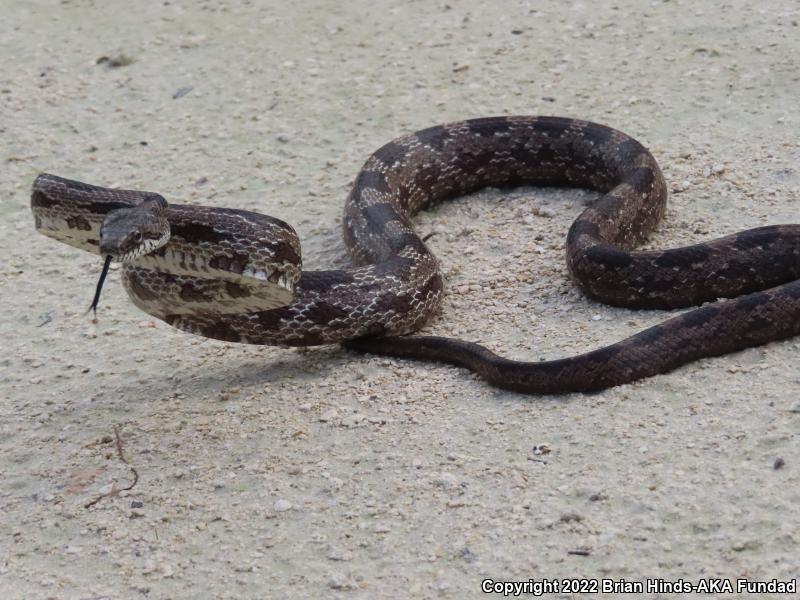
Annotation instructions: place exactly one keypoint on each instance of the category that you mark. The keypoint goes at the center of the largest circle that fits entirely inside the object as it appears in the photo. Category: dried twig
(428, 236)
(114, 489)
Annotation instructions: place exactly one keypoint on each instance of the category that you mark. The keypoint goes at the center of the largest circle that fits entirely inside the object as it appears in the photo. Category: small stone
(340, 581)
(570, 517)
(179, 93)
(743, 545)
(778, 464)
(681, 186)
(340, 555)
(329, 415)
(540, 449)
(282, 505)
(547, 212)
(119, 60)
(467, 555)
(353, 420)
(446, 480)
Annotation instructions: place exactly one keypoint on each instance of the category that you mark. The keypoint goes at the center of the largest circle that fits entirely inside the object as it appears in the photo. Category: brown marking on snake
(234, 290)
(79, 222)
(41, 200)
(235, 263)
(283, 253)
(190, 293)
(196, 232)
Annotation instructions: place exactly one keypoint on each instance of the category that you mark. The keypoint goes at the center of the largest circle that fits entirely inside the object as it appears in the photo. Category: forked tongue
(103, 274)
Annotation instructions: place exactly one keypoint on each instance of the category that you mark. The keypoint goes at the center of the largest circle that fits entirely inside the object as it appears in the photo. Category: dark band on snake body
(397, 284)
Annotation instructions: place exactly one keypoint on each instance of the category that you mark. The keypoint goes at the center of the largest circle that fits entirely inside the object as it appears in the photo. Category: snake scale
(237, 276)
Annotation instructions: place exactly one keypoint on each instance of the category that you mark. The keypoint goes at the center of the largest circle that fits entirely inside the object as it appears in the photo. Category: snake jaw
(141, 248)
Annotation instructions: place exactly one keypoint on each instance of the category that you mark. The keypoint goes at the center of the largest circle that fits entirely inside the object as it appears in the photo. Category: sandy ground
(270, 473)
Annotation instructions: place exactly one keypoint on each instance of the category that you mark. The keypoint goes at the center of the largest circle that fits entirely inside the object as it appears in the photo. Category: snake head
(128, 233)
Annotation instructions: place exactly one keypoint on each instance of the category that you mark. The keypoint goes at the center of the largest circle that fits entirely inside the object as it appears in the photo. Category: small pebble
(329, 415)
(547, 212)
(446, 480)
(118, 60)
(340, 555)
(353, 420)
(340, 581)
(181, 92)
(282, 505)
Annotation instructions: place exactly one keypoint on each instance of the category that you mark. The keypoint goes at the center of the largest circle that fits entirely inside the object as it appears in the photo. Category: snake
(237, 276)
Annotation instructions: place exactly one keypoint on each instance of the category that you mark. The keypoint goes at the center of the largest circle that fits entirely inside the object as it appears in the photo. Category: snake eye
(137, 236)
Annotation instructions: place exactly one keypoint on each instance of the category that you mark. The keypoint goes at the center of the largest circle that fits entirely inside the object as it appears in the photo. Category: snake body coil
(236, 275)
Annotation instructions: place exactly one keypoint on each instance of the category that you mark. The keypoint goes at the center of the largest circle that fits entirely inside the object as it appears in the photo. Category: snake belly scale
(236, 275)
